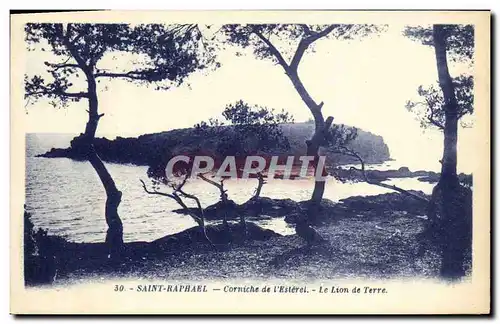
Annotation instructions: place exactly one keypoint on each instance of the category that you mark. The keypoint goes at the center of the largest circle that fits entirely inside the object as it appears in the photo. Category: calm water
(67, 198)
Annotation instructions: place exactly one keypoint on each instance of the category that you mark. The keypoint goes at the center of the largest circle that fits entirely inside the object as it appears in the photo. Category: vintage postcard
(250, 162)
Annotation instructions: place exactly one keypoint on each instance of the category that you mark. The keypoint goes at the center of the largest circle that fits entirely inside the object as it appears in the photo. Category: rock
(430, 178)
(219, 210)
(325, 212)
(389, 201)
(215, 211)
(39, 270)
(377, 175)
(151, 149)
(308, 233)
(216, 233)
(294, 218)
(255, 207)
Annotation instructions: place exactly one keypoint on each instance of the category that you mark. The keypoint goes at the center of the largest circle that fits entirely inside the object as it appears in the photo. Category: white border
(185, 4)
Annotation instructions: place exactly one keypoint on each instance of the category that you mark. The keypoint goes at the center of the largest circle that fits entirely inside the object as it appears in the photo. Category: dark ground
(375, 237)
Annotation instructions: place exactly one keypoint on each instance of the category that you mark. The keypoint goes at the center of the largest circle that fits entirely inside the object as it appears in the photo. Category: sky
(362, 83)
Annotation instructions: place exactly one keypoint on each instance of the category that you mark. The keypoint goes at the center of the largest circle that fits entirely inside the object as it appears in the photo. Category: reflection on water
(67, 198)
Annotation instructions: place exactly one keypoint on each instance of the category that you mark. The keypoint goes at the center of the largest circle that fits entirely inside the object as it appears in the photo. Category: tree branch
(428, 114)
(306, 29)
(435, 123)
(77, 37)
(75, 94)
(349, 152)
(432, 120)
(305, 42)
(65, 64)
(320, 137)
(220, 186)
(193, 197)
(316, 35)
(175, 197)
(61, 66)
(155, 192)
(179, 187)
(96, 56)
(261, 183)
(46, 91)
(272, 49)
(69, 45)
(134, 75)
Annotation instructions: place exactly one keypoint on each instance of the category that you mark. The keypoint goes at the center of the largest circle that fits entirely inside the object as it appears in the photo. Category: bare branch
(134, 75)
(346, 151)
(219, 186)
(179, 187)
(155, 192)
(56, 66)
(193, 197)
(175, 197)
(261, 183)
(47, 91)
(223, 192)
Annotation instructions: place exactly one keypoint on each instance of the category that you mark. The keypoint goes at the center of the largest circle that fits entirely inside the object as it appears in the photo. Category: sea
(66, 198)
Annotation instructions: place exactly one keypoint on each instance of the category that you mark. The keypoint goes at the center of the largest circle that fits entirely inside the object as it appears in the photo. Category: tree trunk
(319, 185)
(261, 181)
(315, 142)
(450, 211)
(449, 161)
(114, 234)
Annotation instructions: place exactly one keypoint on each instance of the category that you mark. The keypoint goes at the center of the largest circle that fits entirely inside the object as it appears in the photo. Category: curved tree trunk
(314, 144)
(319, 185)
(291, 71)
(261, 182)
(114, 234)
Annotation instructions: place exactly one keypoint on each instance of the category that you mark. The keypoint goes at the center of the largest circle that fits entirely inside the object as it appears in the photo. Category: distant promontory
(147, 149)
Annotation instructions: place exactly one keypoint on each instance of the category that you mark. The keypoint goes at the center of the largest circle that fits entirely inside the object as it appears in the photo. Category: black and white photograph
(268, 155)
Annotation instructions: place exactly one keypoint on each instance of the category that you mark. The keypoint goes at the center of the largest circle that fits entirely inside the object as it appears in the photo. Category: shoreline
(377, 237)
(151, 149)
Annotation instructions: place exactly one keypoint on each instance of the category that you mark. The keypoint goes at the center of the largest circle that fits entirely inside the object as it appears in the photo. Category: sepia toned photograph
(331, 162)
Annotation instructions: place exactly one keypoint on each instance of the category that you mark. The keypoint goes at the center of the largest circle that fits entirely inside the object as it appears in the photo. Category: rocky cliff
(147, 149)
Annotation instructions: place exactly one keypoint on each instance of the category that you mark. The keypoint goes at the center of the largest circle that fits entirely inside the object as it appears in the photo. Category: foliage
(459, 39)
(167, 53)
(288, 42)
(340, 136)
(37, 242)
(41, 252)
(246, 129)
(466, 180)
(459, 48)
(430, 111)
(29, 236)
